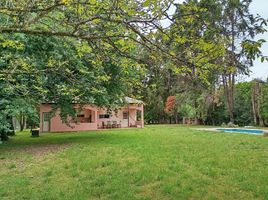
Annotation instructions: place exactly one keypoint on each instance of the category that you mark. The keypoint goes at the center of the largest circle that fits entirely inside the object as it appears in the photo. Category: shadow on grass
(22, 141)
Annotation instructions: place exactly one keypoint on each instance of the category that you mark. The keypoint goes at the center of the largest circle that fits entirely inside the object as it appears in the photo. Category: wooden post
(142, 116)
(41, 118)
(128, 115)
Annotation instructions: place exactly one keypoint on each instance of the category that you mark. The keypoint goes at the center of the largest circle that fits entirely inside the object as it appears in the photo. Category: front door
(46, 122)
(125, 119)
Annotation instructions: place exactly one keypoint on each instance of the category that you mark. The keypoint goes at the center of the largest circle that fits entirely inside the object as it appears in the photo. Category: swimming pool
(239, 130)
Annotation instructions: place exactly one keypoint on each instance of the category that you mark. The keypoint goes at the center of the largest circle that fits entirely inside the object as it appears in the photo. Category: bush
(223, 124)
(4, 136)
(232, 125)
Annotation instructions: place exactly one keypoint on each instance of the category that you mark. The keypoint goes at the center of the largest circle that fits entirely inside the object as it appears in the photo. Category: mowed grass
(157, 162)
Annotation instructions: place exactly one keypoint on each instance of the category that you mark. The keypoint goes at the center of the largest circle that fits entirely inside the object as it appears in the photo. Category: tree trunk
(196, 121)
(256, 100)
(3, 136)
(12, 129)
(176, 119)
(228, 85)
(22, 122)
(230, 75)
(258, 104)
(183, 120)
(253, 105)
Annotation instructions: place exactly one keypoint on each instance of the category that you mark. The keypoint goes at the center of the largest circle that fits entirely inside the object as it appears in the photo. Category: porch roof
(127, 100)
(131, 100)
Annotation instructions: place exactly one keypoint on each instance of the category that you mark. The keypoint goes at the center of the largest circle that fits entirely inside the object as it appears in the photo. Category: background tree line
(218, 43)
(210, 107)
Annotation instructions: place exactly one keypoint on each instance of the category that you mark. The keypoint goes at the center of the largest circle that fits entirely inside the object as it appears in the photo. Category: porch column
(41, 118)
(96, 117)
(128, 116)
(142, 116)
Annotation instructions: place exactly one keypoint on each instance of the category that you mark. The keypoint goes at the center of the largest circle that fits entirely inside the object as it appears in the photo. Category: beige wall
(56, 125)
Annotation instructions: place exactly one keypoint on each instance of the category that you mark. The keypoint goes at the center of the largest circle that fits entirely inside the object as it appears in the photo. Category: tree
(236, 28)
(65, 48)
(171, 108)
(242, 103)
(256, 100)
(108, 26)
(187, 111)
(264, 103)
(5, 124)
(23, 110)
(68, 51)
(36, 69)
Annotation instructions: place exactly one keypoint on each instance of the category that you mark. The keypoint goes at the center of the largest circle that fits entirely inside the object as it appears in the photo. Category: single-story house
(91, 117)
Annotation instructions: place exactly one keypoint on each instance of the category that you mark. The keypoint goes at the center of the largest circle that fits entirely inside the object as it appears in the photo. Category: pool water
(237, 130)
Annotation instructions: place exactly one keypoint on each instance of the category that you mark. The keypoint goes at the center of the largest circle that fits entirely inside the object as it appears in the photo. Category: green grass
(157, 162)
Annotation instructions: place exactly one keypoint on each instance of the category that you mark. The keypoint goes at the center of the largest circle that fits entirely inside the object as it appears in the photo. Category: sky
(259, 69)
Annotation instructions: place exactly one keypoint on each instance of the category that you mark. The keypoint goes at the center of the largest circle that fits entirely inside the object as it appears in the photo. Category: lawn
(157, 162)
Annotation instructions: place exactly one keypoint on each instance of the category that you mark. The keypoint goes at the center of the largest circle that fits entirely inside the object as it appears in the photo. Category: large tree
(108, 26)
(35, 69)
(216, 40)
(235, 27)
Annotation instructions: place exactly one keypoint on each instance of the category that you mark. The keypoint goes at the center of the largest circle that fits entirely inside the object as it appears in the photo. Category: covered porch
(135, 116)
(130, 115)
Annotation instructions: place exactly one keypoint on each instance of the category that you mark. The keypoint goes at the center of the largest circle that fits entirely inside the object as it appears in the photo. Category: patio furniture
(109, 124)
(114, 125)
(133, 125)
(118, 125)
(104, 125)
(35, 132)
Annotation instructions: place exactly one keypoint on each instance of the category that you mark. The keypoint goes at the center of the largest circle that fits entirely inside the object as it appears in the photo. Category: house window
(81, 113)
(81, 117)
(138, 115)
(104, 116)
(46, 117)
(125, 115)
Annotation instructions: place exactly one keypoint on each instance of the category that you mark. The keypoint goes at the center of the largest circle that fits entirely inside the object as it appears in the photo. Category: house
(91, 117)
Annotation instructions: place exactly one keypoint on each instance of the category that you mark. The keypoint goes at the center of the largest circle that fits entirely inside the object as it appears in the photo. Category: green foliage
(243, 114)
(264, 106)
(187, 111)
(73, 52)
(4, 125)
(62, 71)
(191, 41)
(96, 52)
(24, 110)
(214, 41)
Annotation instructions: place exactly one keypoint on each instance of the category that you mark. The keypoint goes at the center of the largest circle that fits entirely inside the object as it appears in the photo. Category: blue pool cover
(237, 130)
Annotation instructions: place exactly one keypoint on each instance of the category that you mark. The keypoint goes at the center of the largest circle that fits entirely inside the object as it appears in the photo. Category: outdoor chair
(114, 124)
(133, 125)
(118, 125)
(109, 124)
(104, 125)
